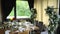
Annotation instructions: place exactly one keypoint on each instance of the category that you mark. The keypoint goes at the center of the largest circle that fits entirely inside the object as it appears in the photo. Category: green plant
(53, 20)
(33, 15)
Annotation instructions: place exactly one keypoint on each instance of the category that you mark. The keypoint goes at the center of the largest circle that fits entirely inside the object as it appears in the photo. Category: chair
(40, 25)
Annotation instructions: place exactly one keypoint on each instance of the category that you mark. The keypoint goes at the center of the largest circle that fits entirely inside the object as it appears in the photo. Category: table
(25, 32)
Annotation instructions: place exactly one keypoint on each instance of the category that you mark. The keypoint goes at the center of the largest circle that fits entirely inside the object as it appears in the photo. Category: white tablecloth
(45, 32)
(7, 31)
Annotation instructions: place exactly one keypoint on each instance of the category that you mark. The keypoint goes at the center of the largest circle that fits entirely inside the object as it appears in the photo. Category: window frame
(17, 17)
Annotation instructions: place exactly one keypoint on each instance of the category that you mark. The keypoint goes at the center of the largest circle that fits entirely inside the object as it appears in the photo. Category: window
(11, 15)
(22, 10)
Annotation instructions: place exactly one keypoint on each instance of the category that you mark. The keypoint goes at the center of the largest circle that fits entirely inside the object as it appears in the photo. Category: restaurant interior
(29, 17)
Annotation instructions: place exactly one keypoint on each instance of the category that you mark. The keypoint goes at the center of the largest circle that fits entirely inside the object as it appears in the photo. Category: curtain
(7, 6)
(31, 3)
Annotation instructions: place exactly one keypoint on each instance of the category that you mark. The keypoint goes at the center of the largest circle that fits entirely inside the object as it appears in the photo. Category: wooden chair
(25, 32)
(2, 31)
